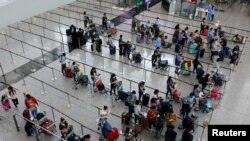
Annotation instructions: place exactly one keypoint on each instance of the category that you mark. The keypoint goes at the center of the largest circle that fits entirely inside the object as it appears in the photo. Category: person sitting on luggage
(151, 117)
(31, 104)
(113, 83)
(30, 127)
(93, 75)
(63, 127)
(137, 111)
(103, 115)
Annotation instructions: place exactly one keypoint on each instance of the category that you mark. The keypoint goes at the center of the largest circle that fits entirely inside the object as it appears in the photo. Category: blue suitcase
(138, 39)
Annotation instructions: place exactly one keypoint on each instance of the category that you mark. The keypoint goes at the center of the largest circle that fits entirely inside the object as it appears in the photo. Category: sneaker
(193, 116)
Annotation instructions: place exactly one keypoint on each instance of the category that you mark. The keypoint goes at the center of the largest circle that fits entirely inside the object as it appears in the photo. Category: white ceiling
(12, 11)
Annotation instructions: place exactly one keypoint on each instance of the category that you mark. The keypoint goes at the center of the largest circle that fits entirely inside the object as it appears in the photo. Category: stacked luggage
(193, 48)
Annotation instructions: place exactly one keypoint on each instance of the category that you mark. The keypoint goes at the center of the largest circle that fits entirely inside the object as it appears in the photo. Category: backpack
(159, 123)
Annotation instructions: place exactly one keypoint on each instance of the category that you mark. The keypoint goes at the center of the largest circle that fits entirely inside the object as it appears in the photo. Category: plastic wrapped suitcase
(125, 118)
(193, 48)
(177, 95)
(113, 135)
(68, 73)
(6, 104)
(215, 93)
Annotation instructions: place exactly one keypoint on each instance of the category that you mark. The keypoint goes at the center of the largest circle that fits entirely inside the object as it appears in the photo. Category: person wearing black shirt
(196, 63)
(104, 21)
(129, 46)
(29, 128)
(121, 45)
(93, 75)
(113, 83)
(187, 136)
(63, 127)
(141, 89)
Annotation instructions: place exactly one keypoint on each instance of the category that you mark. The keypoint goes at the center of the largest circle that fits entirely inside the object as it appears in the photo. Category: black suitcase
(112, 50)
(202, 52)
(92, 47)
(177, 48)
(85, 80)
(120, 51)
(99, 48)
(145, 99)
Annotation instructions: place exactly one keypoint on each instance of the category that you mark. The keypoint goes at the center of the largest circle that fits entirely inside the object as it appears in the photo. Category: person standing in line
(13, 95)
(202, 25)
(62, 59)
(212, 13)
(31, 104)
(113, 83)
(171, 119)
(137, 110)
(103, 115)
(104, 22)
(85, 19)
(141, 89)
(170, 84)
(93, 75)
(196, 63)
(133, 24)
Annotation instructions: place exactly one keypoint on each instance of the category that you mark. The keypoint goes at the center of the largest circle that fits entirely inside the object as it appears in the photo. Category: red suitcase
(113, 135)
(205, 32)
(68, 73)
(215, 93)
(6, 104)
(26, 114)
(125, 118)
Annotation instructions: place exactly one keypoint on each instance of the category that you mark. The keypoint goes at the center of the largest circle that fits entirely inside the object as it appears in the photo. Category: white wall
(23, 9)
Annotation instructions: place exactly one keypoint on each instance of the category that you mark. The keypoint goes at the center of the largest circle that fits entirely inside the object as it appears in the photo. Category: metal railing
(229, 29)
(130, 32)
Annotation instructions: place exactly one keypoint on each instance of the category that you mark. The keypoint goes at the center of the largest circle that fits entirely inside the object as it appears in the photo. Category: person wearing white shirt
(62, 59)
(137, 110)
(157, 22)
(103, 115)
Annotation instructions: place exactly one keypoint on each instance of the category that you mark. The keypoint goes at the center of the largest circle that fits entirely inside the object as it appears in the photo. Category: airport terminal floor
(32, 59)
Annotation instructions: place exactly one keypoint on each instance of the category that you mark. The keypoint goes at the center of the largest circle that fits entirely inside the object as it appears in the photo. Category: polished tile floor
(79, 104)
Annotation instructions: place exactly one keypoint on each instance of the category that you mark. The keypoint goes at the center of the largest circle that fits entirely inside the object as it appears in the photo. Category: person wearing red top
(31, 104)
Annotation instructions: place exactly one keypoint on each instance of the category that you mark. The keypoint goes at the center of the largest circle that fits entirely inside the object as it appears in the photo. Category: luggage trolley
(99, 86)
(48, 126)
(111, 28)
